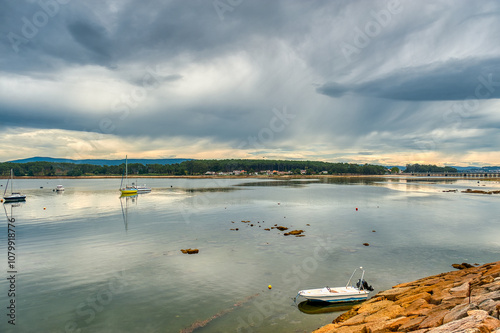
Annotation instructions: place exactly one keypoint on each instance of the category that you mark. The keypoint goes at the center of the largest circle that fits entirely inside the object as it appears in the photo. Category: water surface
(89, 260)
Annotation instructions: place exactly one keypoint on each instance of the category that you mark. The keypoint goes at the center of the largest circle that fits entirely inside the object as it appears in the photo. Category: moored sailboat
(14, 196)
(127, 189)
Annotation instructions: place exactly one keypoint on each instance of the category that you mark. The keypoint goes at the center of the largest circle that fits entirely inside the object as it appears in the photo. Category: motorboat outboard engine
(363, 285)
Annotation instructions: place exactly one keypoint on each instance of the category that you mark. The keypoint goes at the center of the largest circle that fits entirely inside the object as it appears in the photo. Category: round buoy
(1, 200)
(356, 208)
(44, 208)
(270, 287)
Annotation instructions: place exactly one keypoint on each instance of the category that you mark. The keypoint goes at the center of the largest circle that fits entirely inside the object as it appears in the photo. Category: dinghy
(358, 292)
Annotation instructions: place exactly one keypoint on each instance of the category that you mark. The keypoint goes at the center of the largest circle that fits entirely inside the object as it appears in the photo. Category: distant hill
(102, 162)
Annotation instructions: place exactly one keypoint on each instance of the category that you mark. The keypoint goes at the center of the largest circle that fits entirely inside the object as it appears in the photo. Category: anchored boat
(14, 196)
(127, 189)
(142, 188)
(356, 293)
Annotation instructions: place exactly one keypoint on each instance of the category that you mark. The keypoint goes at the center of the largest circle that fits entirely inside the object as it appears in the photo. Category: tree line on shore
(201, 167)
(191, 167)
(428, 168)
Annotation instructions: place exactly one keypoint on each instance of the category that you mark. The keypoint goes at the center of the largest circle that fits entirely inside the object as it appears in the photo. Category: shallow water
(89, 260)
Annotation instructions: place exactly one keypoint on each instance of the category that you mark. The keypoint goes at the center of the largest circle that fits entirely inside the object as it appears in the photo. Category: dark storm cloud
(104, 32)
(219, 72)
(451, 80)
(93, 38)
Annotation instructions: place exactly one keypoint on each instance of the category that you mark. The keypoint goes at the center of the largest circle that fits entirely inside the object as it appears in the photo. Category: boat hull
(143, 189)
(129, 191)
(14, 198)
(335, 295)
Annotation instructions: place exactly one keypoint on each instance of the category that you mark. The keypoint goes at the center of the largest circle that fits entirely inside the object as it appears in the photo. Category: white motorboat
(142, 188)
(356, 293)
(59, 188)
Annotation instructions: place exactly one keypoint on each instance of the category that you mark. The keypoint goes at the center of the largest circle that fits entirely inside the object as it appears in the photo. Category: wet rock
(480, 191)
(294, 232)
(366, 244)
(190, 251)
(281, 228)
(463, 265)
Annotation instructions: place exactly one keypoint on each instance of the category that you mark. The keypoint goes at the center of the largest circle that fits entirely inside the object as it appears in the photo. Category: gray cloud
(218, 76)
(450, 80)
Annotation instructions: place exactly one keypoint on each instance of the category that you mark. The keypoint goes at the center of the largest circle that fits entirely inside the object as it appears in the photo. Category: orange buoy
(356, 208)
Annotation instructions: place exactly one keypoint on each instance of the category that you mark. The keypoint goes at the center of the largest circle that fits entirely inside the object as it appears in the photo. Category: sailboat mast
(6, 186)
(126, 169)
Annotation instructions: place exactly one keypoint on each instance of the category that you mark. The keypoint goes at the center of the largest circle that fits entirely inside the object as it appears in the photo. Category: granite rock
(435, 304)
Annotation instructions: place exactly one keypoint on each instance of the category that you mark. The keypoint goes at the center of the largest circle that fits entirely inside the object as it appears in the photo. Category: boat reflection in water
(315, 307)
(125, 201)
(9, 206)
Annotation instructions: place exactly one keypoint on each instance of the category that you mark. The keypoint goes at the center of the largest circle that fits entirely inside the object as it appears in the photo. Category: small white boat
(356, 293)
(59, 188)
(141, 188)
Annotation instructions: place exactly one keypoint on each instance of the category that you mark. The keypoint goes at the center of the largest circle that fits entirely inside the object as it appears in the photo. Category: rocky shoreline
(466, 301)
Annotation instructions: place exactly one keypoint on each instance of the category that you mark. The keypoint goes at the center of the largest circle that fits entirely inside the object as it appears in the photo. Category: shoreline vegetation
(192, 168)
(228, 167)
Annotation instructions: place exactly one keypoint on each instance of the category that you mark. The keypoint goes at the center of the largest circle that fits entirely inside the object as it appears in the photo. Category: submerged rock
(294, 232)
(190, 251)
(463, 265)
(480, 191)
(280, 228)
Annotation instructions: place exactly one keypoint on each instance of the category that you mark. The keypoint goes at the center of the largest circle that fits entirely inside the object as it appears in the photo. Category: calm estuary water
(90, 261)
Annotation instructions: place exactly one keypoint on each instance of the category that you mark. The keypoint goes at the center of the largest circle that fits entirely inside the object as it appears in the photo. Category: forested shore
(192, 167)
(238, 167)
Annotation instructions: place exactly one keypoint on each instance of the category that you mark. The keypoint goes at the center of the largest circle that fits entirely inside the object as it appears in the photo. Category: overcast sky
(384, 82)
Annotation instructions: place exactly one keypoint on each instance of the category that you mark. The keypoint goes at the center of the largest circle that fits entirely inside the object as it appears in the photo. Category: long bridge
(455, 174)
